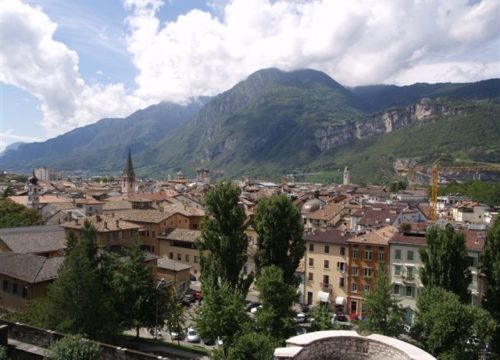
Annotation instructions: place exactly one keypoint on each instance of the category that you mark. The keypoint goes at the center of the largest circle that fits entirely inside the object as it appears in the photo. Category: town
(350, 234)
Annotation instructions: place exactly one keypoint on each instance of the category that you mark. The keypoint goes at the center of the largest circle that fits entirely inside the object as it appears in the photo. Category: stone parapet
(348, 345)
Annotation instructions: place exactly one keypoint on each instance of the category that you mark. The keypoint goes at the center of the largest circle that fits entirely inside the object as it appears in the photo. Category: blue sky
(65, 64)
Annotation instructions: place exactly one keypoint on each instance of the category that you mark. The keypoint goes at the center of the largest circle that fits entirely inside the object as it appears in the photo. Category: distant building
(128, 180)
(202, 175)
(347, 176)
(46, 174)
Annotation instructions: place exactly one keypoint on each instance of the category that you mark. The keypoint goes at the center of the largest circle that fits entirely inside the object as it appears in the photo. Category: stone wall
(348, 345)
(44, 338)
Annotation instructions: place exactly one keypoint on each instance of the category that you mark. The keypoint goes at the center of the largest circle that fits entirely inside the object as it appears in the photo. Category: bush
(3, 353)
(74, 347)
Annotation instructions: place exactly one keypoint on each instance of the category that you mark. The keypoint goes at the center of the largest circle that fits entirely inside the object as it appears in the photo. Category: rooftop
(330, 236)
(181, 235)
(378, 237)
(29, 268)
(102, 223)
(169, 264)
(34, 239)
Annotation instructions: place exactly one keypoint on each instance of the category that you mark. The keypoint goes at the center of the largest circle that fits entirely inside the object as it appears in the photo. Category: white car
(192, 336)
(255, 309)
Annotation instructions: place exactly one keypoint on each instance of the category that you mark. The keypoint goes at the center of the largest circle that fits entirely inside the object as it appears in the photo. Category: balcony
(326, 286)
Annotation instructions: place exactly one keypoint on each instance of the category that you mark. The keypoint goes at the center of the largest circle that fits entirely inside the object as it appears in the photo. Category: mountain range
(277, 122)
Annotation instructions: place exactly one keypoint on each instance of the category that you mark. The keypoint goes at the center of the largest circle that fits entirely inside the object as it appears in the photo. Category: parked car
(198, 295)
(192, 336)
(251, 305)
(208, 341)
(299, 318)
(176, 335)
(255, 309)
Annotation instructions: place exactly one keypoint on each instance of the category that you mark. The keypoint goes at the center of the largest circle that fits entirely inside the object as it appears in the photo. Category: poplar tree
(489, 261)
(223, 235)
(280, 239)
(445, 261)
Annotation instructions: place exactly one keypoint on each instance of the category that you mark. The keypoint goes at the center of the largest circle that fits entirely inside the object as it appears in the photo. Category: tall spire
(130, 168)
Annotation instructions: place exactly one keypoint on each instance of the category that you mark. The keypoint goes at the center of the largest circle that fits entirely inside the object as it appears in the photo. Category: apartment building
(326, 262)
(366, 253)
(405, 264)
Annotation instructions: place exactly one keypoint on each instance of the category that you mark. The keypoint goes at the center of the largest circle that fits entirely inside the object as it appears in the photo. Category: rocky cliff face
(330, 136)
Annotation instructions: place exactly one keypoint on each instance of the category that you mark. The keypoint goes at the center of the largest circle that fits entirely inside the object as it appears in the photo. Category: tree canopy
(449, 329)
(13, 214)
(223, 235)
(73, 347)
(280, 239)
(275, 317)
(445, 261)
(490, 265)
(385, 316)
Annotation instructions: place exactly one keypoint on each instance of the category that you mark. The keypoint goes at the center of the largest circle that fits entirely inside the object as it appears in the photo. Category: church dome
(312, 205)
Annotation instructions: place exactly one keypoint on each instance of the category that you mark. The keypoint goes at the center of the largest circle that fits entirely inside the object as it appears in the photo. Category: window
(187, 258)
(395, 289)
(409, 291)
(409, 272)
(5, 285)
(311, 247)
(25, 292)
(354, 287)
(326, 280)
(327, 249)
(368, 272)
(342, 251)
(368, 254)
(179, 257)
(310, 276)
(367, 288)
(171, 255)
(326, 264)
(354, 271)
(341, 266)
(409, 255)
(14, 288)
(397, 254)
(470, 261)
(153, 233)
(311, 262)
(195, 259)
(355, 254)
(397, 270)
(381, 256)
(341, 282)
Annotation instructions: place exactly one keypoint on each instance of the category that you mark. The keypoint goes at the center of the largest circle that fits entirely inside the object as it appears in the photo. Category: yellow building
(326, 262)
(179, 245)
(175, 273)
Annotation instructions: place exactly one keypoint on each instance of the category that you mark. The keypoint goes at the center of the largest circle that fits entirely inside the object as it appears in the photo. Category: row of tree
(446, 324)
(99, 295)
(280, 247)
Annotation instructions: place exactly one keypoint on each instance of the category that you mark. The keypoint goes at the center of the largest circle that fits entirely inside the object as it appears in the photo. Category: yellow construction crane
(436, 170)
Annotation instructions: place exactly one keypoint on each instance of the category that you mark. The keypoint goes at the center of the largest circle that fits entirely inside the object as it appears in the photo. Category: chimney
(118, 223)
(98, 218)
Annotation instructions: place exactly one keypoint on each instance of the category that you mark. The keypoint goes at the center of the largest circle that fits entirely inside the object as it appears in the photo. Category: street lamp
(161, 285)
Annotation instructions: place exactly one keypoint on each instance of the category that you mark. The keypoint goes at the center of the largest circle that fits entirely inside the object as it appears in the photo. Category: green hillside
(474, 136)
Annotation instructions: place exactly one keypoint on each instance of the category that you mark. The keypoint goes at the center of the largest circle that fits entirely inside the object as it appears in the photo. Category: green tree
(81, 299)
(253, 346)
(322, 319)
(73, 347)
(280, 239)
(275, 317)
(15, 215)
(385, 316)
(446, 327)
(222, 234)
(175, 312)
(3, 353)
(445, 261)
(489, 261)
(137, 293)
(221, 314)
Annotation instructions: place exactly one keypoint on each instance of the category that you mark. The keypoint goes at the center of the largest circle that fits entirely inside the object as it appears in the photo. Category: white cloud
(32, 60)
(7, 137)
(355, 42)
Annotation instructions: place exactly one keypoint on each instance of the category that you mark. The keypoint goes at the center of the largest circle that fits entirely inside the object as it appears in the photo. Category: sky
(66, 64)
